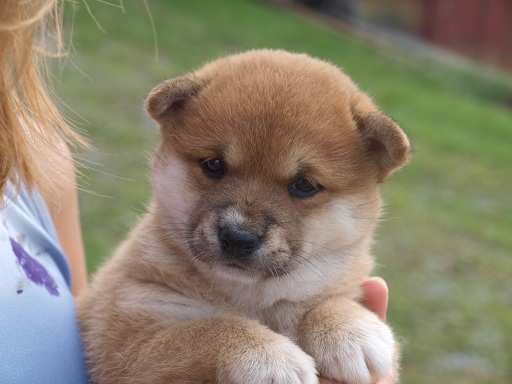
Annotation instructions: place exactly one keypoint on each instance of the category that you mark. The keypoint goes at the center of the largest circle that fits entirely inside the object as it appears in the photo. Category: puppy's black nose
(239, 242)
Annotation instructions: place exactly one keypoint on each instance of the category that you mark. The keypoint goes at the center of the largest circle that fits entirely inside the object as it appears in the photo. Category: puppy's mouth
(236, 266)
(253, 267)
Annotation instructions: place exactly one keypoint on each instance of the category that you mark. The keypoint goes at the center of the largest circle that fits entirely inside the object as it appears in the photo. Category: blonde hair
(33, 133)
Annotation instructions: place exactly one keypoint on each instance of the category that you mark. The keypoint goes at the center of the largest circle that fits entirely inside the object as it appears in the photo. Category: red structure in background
(479, 28)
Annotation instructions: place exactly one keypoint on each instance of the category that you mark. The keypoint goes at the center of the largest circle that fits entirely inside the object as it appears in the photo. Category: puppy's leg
(224, 350)
(348, 342)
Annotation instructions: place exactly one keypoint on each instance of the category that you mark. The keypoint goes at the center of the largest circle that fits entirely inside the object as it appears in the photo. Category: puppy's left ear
(170, 97)
(386, 143)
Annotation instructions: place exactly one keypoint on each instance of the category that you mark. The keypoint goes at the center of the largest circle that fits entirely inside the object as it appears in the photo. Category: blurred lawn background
(445, 244)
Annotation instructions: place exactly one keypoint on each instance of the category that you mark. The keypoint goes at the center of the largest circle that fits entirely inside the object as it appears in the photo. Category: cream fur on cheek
(342, 224)
(170, 185)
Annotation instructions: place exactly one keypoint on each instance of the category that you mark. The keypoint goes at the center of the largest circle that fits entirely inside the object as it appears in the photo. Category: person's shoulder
(20, 201)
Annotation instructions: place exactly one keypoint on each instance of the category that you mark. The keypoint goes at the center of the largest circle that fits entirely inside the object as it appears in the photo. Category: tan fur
(172, 307)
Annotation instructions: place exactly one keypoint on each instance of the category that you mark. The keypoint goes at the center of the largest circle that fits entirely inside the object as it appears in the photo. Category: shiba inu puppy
(248, 264)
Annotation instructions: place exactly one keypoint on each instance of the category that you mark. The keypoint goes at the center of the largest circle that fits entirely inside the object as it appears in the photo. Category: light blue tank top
(39, 337)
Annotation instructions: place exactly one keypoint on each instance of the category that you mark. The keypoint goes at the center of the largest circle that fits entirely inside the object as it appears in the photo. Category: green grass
(445, 244)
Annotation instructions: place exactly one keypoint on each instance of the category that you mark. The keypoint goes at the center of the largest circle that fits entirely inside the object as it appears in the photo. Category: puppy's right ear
(168, 98)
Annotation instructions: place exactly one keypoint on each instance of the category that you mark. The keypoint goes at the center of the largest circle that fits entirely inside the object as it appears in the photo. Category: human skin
(65, 215)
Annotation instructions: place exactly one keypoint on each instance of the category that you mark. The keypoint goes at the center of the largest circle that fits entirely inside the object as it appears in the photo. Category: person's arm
(375, 298)
(65, 214)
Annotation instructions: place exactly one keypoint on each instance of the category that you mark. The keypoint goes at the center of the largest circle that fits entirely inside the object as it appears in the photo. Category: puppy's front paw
(363, 352)
(357, 350)
(277, 362)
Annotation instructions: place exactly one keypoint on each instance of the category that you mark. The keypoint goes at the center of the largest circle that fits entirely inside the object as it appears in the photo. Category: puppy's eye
(214, 168)
(303, 188)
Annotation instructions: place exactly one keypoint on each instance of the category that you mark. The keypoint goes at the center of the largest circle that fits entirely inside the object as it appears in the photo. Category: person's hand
(375, 298)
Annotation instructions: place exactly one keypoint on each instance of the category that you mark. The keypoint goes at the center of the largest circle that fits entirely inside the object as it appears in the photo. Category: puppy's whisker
(168, 216)
(273, 272)
(295, 280)
(314, 244)
(312, 267)
(168, 234)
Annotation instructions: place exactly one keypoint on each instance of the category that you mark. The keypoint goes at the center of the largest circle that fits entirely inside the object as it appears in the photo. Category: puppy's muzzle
(239, 241)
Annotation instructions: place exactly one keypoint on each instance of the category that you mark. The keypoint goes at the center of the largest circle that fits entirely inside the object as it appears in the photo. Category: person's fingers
(390, 379)
(375, 296)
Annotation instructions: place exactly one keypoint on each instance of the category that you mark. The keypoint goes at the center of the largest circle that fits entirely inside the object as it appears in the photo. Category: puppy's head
(269, 162)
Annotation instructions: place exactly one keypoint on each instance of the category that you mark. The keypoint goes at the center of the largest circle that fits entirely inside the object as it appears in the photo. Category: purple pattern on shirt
(34, 269)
